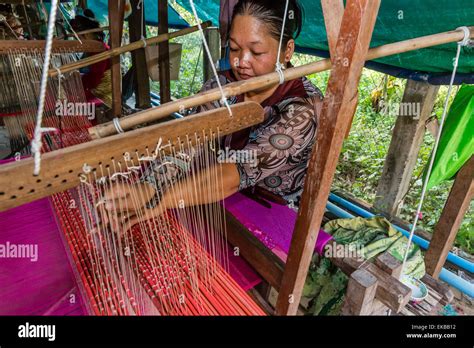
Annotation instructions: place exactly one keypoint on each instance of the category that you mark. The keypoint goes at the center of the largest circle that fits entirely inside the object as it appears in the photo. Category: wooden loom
(339, 105)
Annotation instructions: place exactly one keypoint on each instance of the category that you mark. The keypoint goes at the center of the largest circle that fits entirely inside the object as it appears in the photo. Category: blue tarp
(100, 9)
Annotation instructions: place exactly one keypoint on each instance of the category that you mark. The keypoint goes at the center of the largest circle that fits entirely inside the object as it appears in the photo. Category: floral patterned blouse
(279, 147)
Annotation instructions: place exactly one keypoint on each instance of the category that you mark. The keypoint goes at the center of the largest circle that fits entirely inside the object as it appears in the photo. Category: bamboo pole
(269, 80)
(123, 49)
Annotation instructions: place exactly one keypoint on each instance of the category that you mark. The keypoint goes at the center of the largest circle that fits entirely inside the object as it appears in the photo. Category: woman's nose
(244, 60)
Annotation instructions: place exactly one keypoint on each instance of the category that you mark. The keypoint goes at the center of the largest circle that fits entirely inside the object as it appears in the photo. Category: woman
(96, 79)
(282, 142)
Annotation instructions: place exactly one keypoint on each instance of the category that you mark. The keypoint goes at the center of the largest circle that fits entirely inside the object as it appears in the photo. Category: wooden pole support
(351, 49)
(447, 227)
(360, 293)
(389, 264)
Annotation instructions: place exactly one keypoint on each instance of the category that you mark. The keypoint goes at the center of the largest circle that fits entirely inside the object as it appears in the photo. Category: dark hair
(271, 13)
(86, 21)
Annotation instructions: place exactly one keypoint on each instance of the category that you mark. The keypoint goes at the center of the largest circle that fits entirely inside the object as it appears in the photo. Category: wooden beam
(62, 169)
(164, 55)
(452, 215)
(360, 293)
(413, 113)
(264, 261)
(333, 10)
(213, 39)
(142, 80)
(116, 25)
(89, 46)
(351, 49)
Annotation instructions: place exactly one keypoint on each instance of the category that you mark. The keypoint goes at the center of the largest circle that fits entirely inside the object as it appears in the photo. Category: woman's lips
(245, 76)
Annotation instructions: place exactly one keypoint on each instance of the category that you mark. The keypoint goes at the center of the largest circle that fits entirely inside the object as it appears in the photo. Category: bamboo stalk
(269, 80)
(123, 49)
(58, 45)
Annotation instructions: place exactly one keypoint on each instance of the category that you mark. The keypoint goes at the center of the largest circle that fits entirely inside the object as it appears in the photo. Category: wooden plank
(352, 46)
(61, 169)
(389, 264)
(333, 10)
(116, 26)
(213, 39)
(414, 110)
(441, 288)
(360, 293)
(390, 291)
(89, 46)
(451, 217)
(265, 263)
(142, 80)
(164, 56)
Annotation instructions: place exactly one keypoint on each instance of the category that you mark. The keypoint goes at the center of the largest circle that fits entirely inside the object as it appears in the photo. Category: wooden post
(333, 10)
(116, 26)
(351, 49)
(142, 80)
(212, 37)
(445, 231)
(360, 293)
(164, 57)
(414, 110)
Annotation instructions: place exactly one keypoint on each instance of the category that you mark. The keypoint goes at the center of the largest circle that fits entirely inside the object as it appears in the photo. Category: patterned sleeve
(279, 146)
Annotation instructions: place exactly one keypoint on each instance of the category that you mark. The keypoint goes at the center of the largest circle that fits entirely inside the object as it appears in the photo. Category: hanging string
(464, 42)
(36, 143)
(278, 66)
(209, 56)
(70, 27)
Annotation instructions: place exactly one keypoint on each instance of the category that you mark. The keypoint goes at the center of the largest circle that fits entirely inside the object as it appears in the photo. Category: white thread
(117, 125)
(144, 41)
(433, 152)
(60, 77)
(465, 41)
(209, 56)
(278, 66)
(36, 143)
(281, 76)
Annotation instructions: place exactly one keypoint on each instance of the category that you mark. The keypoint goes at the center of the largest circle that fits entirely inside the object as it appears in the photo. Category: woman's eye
(233, 49)
(257, 53)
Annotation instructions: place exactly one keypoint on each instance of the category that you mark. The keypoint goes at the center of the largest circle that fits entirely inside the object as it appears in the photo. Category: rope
(278, 66)
(209, 56)
(36, 143)
(464, 42)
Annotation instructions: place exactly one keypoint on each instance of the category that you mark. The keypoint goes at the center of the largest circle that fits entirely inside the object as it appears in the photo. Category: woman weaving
(282, 143)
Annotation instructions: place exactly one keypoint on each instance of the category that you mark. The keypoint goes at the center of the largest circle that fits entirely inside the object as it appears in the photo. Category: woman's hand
(126, 204)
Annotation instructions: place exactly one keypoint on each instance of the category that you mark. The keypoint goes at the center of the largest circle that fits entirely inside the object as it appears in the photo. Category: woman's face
(253, 51)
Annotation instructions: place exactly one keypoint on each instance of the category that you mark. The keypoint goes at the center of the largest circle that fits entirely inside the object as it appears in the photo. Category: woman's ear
(290, 49)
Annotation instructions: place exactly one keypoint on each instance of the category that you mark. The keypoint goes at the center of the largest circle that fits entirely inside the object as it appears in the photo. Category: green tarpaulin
(457, 139)
(397, 20)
